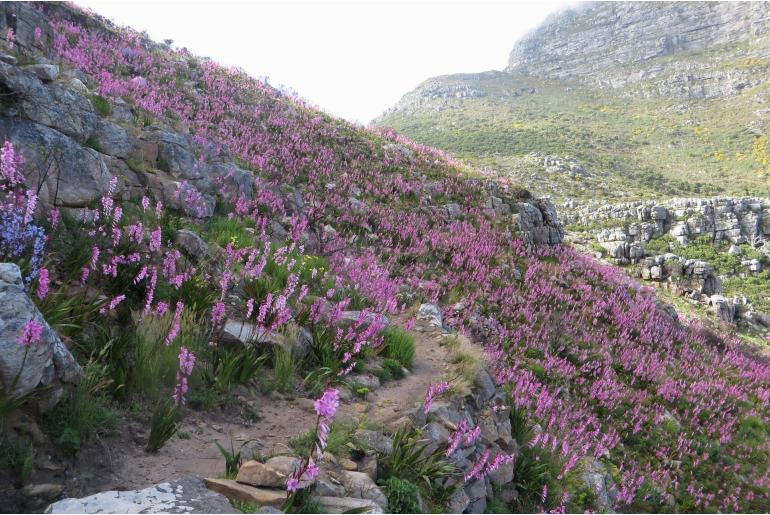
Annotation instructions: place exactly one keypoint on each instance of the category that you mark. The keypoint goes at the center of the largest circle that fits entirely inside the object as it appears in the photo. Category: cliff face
(699, 49)
(591, 39)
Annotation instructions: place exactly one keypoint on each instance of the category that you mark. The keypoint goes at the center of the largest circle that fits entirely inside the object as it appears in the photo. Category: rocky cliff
(614, 44)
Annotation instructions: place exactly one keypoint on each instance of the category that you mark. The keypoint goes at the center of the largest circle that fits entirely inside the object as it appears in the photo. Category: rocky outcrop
(609, 44)
(538, 222)
(737, 220)
(692, 277)
(43, 367)
(72, 150)
(186, 495)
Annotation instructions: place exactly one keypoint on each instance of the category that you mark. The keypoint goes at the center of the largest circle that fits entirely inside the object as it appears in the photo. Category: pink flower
(327, 405)
(32, 333)
(292, 485)
(42, 283)
(434, 390)
(155, 237)
(186, 361)
(55, 217)
(38, 33)
(218, 313)
(175, 325)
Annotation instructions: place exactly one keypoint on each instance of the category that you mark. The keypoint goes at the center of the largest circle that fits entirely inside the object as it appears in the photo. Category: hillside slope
(619, 100)
(199, 246)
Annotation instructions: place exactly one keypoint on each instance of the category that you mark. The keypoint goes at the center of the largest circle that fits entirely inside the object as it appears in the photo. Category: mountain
(213, 296)
(614, 100)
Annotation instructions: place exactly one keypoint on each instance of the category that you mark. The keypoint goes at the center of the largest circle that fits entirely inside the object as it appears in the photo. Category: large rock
(47, 364)
(186, 495)
(192, 244)
(347, 505)
(260, 474)
(52, 105)
(374, 440)
(359, 484)
(432, 313)
(113, 139)
(72, 175)
(44, 72)
(175, 156)
(238, 492)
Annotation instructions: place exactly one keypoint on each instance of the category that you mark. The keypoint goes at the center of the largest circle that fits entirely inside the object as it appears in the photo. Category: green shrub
(403, 496)
(399, 345)
(17, 456)
(409, 462)
(283, 368)
(94, 143)
(394, 368)
(495, 505)
(101, 105)
(233, 458)
(83, 412)
(339, 435)
(235, 368)
(163, 425)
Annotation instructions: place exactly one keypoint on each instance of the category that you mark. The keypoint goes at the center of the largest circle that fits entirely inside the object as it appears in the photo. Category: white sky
(354, 59)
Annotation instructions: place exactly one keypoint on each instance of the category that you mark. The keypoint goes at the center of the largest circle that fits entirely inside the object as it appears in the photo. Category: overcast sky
(354, 59)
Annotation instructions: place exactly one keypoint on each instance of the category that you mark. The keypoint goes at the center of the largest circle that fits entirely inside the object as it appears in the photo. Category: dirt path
(120, 463)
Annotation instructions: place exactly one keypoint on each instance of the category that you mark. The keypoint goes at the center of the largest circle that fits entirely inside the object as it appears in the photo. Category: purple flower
(327, 405)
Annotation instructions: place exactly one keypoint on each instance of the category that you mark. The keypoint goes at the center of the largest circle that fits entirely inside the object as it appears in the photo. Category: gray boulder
(47, 363)
(44, 72)
(360, 485)
(52, 105)
(192, 244)
(186, 495)
(73, 176)
(432, 313)
(175, 156)
(113, 139)
(374, 440)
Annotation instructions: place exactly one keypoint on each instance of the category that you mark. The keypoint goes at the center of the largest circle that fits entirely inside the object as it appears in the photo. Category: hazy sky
(352, 58)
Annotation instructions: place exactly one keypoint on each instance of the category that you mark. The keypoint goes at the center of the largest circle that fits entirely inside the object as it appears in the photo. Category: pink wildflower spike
(31, 334)
(42, 283)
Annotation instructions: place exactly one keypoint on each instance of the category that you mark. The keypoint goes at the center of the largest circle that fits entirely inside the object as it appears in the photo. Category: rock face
(47, 363)
(615, 44)
(737, 220)
(186, 495)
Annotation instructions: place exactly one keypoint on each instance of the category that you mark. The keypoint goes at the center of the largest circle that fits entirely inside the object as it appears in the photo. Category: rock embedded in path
(347, 505)
(186, 495)
(47, 364)
(238, 492)
(260, 474)
(432, 313)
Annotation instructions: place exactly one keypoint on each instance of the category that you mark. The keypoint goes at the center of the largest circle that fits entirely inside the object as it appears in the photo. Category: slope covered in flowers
(679, 416)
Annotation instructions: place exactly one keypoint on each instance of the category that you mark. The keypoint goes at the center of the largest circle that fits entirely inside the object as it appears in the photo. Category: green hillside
(630, 141)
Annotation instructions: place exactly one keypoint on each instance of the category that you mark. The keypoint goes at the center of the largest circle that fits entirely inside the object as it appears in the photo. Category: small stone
(348, 464)
(347, 505)
(8, 59)
(458, 502)
(46, 491)
(237, 492)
